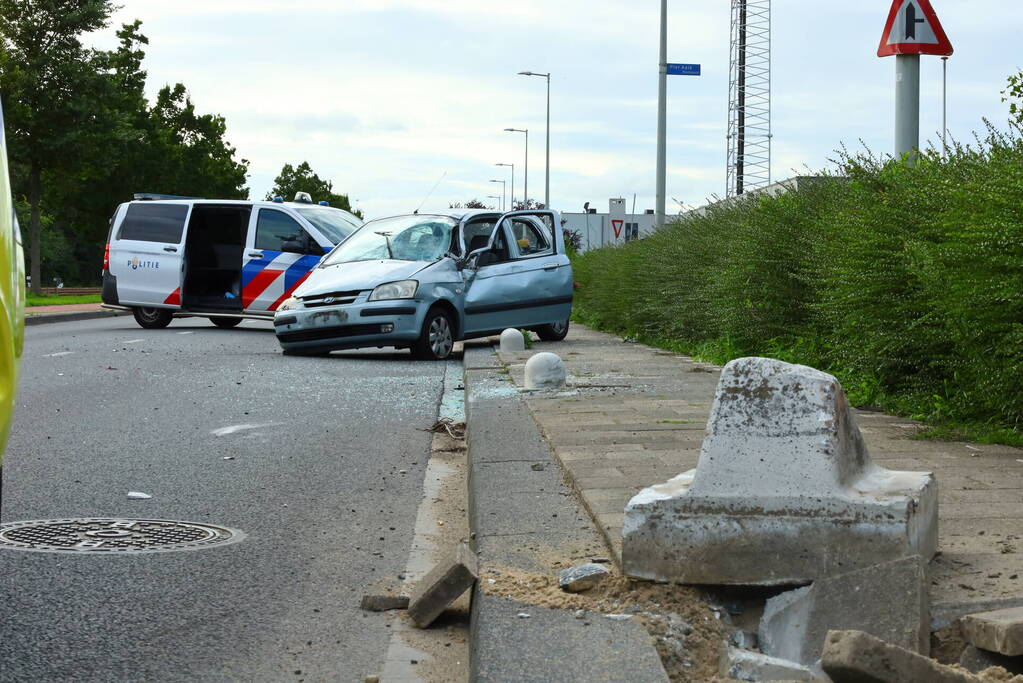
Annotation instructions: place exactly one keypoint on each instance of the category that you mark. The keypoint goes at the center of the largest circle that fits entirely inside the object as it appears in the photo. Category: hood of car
(357, 276)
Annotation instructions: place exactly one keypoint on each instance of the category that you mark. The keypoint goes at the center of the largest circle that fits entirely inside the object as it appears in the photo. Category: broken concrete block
(888, 601)
(976, 660)
(999, 631)
(512, 341)
(442, 586)
(752, 666)
(582, 577)
(856, 657)
(745, 640)
(383, 602)
(545, 371)
(784, 491)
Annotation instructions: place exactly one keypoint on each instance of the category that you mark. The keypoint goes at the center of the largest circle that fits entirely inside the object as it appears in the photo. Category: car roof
(246, 202)
(457, 214)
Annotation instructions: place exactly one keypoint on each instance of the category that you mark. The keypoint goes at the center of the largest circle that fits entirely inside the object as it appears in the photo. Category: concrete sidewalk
(633, 416)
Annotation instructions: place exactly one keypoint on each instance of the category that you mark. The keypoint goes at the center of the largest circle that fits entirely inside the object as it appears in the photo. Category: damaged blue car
(425, 281)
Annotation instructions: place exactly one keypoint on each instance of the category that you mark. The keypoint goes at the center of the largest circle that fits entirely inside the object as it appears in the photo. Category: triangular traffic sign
(617, 224)
(913, 29)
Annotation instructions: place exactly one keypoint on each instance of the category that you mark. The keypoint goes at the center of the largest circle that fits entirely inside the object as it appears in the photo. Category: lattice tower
(749, 105)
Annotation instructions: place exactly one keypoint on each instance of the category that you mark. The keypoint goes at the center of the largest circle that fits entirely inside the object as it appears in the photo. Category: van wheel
(553, 332)
(152, 318)
(225, 323)
(437, 338)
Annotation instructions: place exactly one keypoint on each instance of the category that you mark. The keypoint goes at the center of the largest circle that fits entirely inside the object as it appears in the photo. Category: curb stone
(515, 509)
(46, 318)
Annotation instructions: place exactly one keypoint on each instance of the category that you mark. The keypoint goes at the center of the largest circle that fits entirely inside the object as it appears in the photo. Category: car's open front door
(523, 278)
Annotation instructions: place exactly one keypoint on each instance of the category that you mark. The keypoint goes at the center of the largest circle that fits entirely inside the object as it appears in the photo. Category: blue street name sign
(683, 69)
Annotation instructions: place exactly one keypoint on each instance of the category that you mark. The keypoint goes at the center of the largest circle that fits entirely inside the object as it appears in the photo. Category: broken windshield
(404, 238)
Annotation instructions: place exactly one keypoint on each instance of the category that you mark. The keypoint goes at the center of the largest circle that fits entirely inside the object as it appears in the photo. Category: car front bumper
(396, 322)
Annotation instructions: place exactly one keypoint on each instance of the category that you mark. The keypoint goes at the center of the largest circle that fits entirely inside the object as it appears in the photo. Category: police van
(222, 259)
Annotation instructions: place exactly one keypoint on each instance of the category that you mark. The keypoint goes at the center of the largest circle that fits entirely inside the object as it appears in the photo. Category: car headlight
(405, 289)
(288, 304)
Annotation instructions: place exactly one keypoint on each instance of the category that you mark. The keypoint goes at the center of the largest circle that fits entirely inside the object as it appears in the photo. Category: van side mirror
(295, 245)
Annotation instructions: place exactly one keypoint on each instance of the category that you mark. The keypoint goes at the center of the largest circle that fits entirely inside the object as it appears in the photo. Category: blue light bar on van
(323, 202)
(149, 196)
(278, 200)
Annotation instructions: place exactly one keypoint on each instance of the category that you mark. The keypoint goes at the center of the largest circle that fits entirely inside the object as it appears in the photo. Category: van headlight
(404, 289)
(288, 304)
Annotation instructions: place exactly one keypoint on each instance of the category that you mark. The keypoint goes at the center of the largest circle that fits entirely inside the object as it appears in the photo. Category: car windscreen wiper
(387, 241)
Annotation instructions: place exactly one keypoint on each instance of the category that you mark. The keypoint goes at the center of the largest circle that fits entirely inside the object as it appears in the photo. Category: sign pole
(662, 116)
(907, 107)
(944, 107)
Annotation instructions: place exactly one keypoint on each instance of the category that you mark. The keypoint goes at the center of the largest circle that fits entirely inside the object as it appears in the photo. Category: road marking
(59, 353)
(224, 431)
(189, 332)
(133, 341)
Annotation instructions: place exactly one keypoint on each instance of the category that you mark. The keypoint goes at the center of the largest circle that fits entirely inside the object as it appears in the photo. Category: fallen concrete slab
(857, 657)
(888, 601)
(442, 586)
(784, 491)
(1000, 631)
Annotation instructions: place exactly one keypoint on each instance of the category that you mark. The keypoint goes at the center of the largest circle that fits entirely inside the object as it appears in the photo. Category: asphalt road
(315, 483)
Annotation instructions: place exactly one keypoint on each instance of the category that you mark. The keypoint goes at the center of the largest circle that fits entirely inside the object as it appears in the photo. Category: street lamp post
(547, 175)
(504, 184)
(662, 118)
(525, 191)
(494, 196)
(512, 205)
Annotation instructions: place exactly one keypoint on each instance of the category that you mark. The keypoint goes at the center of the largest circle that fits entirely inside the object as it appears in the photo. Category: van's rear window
(154, 222)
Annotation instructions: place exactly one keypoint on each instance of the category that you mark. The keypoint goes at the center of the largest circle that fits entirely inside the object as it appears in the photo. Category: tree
(49, 83)
(1014, 96)
(294, 179)
(471, 204)
(166, 147)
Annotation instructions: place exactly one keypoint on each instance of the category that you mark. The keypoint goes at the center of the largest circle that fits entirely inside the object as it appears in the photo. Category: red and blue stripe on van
(260, 278)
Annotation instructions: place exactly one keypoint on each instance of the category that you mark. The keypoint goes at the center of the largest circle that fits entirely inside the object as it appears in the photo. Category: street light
(503, 192)
(525, 192)
(494, 196)
(512, 183)
(547, 176)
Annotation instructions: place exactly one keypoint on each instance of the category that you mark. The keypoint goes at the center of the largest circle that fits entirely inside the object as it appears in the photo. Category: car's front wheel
(553, 332)
(225, 323)
(437, 338)
(152, 318)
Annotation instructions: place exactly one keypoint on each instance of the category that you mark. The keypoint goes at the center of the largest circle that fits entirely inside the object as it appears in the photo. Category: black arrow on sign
(912, 21)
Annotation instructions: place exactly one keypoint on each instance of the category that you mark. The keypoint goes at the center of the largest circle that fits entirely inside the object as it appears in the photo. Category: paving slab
(856, 657)
(999, 631)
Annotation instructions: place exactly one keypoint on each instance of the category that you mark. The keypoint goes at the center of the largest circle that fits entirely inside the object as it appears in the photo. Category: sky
(389, 98)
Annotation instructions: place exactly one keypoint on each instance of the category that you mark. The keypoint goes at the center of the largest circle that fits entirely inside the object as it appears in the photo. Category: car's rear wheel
(437, 338)
(553, 332)
(152, 318)
(225, 323)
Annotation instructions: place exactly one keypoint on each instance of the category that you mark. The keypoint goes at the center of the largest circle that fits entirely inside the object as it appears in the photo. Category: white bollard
(545, 371)
(512, 341)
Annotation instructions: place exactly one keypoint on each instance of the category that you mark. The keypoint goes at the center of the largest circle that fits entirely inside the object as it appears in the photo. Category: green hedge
(906, 283)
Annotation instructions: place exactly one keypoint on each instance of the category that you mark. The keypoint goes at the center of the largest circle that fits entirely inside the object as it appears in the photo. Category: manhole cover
(113, 536)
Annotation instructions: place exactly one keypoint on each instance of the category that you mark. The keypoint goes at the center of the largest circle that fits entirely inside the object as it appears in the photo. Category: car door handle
(256, 254)
(170, 248)
(551, 266)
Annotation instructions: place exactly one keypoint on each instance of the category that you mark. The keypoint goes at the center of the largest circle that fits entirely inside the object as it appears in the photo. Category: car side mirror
(293, 246)
(472, 261)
